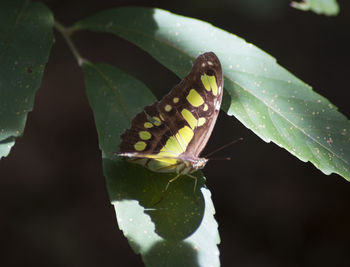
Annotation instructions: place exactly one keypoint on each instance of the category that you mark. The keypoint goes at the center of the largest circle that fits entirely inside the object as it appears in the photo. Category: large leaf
(264, 96)
(326, 7)
(25, 41)
(167, 228)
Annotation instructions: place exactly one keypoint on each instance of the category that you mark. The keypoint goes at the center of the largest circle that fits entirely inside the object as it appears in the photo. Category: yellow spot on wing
(167, 108)
(161, 116)
(140, 145)
(209, 83)
(188, 116)
(185, 134)
(172, 148)
(148, 125)
(201, 121)
(176, 100)
(144, 135)
(156, 121)
(205, 108)
(194, 98)
(205, 82)
(213, 85)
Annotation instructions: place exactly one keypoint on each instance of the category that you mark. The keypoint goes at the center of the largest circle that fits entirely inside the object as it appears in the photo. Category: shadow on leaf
(176, 212)
(180, 254)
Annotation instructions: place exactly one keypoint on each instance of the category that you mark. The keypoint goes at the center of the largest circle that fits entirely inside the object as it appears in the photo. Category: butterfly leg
(172, 180)
(195, 181)
(177, 176)
(166, 188)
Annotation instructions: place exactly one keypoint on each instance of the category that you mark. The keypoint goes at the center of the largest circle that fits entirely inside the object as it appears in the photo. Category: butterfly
(169, 135)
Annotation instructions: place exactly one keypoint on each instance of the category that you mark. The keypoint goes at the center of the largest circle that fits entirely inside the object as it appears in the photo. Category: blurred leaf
(167, 228)
(25, 41)
(264, 96)
(326, 7)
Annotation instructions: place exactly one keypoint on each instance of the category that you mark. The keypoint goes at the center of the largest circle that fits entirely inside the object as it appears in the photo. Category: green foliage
(325, 7)
(176, 227)
(265, 97)
(167, 228)
(25, 41)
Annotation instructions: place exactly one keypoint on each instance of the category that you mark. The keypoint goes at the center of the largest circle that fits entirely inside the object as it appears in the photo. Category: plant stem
(66, 33)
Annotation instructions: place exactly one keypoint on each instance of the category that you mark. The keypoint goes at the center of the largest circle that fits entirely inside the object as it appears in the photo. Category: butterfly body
(169, 135)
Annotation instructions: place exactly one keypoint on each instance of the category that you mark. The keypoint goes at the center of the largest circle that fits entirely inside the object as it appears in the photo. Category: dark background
(272, 209)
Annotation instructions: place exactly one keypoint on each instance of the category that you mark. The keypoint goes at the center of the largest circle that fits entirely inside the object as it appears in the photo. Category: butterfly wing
(180, 124)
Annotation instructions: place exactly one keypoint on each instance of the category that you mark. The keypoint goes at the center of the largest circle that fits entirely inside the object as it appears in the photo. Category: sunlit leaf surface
(325, 7)
(265, 97)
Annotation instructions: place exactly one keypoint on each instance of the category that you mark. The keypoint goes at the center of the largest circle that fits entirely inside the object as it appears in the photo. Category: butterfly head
(199, 163)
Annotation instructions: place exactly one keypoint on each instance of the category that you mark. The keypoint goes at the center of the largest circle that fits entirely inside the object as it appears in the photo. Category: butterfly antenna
(226, 158)
(222, 147)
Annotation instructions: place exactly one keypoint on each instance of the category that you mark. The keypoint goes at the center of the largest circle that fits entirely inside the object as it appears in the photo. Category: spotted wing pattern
(179, 125)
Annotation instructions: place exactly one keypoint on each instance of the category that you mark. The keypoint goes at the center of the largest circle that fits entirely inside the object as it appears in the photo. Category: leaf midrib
(290, 122)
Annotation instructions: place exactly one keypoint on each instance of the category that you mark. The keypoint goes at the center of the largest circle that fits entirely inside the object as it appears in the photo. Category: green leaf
(264, 96)
(326, 7)
(25, 41)
(166, 228)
